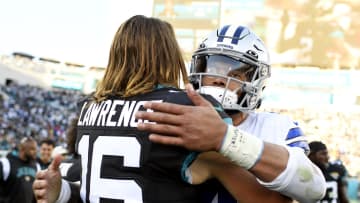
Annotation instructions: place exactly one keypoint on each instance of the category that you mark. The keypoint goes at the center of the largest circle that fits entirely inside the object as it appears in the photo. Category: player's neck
(45, 160)
(238, 118)
(22, 156)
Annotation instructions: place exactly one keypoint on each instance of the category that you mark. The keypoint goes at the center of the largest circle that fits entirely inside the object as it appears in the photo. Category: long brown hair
(71, 134)
(144, 53)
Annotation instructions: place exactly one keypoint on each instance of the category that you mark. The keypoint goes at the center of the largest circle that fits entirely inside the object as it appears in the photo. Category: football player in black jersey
(46, 148)
(17, 173)
(118, 162)
(333, 172)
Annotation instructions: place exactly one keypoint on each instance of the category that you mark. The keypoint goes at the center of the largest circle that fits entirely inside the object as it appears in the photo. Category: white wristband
(65, 192)
(241, 147)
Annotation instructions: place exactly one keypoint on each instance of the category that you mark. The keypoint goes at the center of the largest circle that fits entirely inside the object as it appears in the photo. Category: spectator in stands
(46, 148)
(334, 173)
(33, 111)
(17, 173)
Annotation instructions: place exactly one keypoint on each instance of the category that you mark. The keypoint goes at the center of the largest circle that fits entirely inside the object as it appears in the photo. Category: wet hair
(144, 53)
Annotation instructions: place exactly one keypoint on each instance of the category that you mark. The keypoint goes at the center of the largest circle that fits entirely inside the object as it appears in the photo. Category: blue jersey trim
(15, 153)
(294, 132)
(302, 144)
(219, 108)
(228, 120)
(159, 86)
(187, 162)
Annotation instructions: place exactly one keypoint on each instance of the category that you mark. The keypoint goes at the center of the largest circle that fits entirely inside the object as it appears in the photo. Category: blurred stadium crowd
(27, 110)
(33, 111)
(338, 129)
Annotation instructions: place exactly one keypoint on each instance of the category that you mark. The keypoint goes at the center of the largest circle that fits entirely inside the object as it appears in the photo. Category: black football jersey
(16, 179)
(43, 165)
(120, 164)
(214, 192)
(71, 169)
(334, 175)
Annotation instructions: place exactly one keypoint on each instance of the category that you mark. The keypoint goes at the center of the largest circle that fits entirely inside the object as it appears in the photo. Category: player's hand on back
(196, 127)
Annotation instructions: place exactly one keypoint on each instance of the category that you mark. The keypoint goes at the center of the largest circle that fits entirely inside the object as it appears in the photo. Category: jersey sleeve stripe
(227, 120)
(6, 168)
(296, 139)
(187, 162)
(294, 132)
(301, 144)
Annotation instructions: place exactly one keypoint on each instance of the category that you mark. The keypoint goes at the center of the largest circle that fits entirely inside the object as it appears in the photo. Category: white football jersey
(275, 128)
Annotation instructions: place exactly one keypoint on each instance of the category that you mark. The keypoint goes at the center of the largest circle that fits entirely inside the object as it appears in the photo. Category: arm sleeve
(296, 138)
(75, 193)
(70, 192)
(71, 171)
(301, 180)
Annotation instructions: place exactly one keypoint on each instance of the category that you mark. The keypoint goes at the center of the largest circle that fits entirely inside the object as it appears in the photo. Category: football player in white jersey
(232, 64)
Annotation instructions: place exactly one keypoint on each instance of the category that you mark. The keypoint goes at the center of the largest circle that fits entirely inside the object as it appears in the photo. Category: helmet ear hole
(252, 53)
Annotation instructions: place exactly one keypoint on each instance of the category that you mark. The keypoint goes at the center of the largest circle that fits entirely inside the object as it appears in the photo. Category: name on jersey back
(112, 113)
